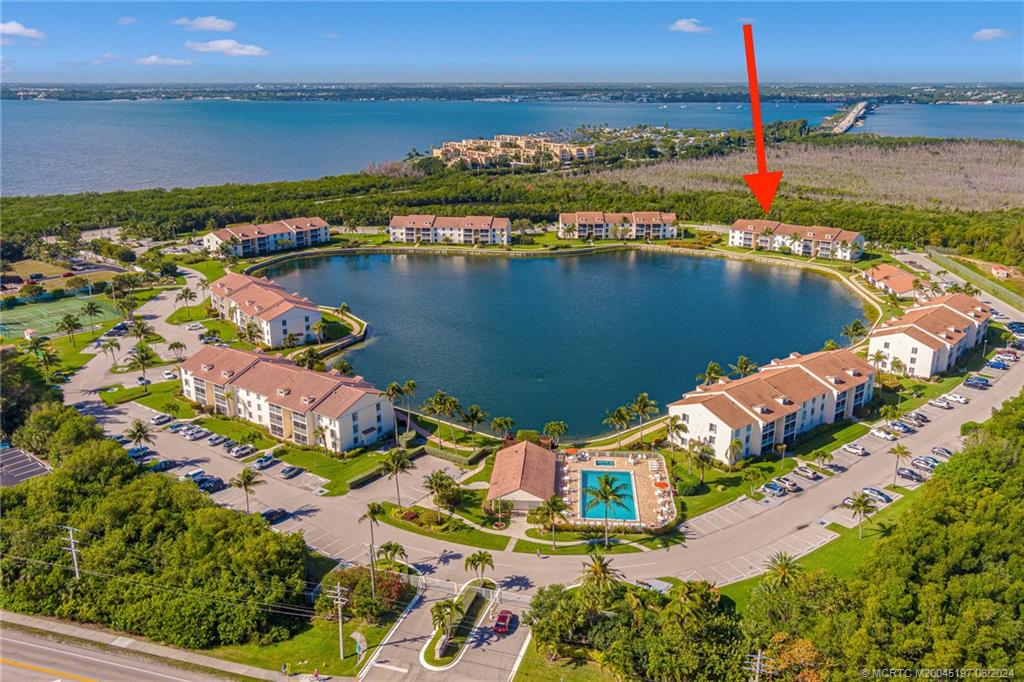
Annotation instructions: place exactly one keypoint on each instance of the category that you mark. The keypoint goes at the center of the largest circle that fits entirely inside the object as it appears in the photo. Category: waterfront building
(523, 474)
(509, 149)
(893, 280)
(290, 401)
(243, 299)
(776, 404)
(932, 336)
(830, 243)
(432, 229)
(599, 225)
(257, 240)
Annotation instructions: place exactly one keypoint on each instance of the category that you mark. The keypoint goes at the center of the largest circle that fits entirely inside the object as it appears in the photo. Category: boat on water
(682, 106)
(718, 108)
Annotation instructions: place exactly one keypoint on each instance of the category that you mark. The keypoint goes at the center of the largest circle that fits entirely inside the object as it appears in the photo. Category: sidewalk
(115, 640)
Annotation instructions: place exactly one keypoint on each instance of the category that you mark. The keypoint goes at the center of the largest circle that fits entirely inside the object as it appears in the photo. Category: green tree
(900, 453)
(374, 512)
(503, 426)
(711, 374)
(473, 416)
(550, 512)
(408, 391)
(186, 296)
(396, 463)
(555, 430)
(783, 569)
(92, 310)
(643, 407)
(139, 433)
(598, 573)
(391, 554)
(69, 324)
(744, 366)
(862, 507)
(247, 479)
(478, 562)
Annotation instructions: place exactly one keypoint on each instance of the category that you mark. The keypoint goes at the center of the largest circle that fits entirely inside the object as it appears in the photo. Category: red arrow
(763, 183)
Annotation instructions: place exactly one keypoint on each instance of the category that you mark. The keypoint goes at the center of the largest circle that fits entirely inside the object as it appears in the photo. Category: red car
(504, 622)
(68, 274)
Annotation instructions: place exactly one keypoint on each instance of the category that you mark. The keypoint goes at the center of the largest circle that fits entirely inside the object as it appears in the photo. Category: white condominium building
(257, 240)
(775, 404)
(242, 299)
(932, 336)
(600, 225)
(432, 229)
(815, 241)
(290, 401)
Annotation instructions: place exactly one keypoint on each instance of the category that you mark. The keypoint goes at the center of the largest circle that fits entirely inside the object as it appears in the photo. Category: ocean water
(542, 339)
(947, 120)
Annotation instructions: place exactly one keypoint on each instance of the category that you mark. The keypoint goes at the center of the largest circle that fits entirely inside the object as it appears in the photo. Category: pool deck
(647, 502)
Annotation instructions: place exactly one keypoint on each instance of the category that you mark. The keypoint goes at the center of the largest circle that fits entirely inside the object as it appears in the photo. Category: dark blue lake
(568, 338)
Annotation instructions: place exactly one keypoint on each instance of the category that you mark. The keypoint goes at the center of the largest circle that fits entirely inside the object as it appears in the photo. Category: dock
(851, 117)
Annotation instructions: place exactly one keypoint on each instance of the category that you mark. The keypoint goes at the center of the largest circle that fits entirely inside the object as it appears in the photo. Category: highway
(850, 118)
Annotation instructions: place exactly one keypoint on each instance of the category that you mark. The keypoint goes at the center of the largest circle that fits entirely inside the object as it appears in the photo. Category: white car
(941, 404)
(194, 327)
(883, 434)
(955, 398)
(169, 375)
(855, 449)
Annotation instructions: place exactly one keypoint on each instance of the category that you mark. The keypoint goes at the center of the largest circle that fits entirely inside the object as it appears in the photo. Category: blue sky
(150, 42)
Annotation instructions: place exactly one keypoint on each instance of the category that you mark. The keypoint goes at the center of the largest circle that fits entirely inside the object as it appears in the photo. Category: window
(913, 361)
(885, 345)
(913, 351)
(686, 418)
(712, 428)
(711, 440)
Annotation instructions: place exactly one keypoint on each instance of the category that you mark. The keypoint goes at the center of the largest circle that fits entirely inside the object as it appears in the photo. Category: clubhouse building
(816, 242)
(280, 316)
(290, 401)
(257, 240)
(593, 225)
(432, 229)
(932, 336)
(524, 474)
(776, 404)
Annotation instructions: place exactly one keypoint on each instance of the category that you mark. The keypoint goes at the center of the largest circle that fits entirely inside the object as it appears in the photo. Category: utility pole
(757, 664)
(340, 602)
(73, 548)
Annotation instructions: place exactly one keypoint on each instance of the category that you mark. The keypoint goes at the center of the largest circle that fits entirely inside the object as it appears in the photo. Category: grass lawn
(842, 556)
(338, 471)
(227, 332)
(335, 328)
(212, 269)
(27, 267)
(829, 439)
(235, 430)
(471, 508)
(722, 487)
(474, 605)
(315, 647)
(528, 547)
(463, 437)
(484, 474)
(465, 536)
(158, 397)
(535, 667)
(188, 314)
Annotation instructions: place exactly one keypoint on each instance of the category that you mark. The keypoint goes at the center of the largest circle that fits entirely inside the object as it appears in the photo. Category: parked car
(883, 434)
(142, 381)
(916, 423)
(877, 495)
(808, 473)
(942, 452)
(929, 458)
(273, 516)
(242, 451)
(900, 427)
(910, 475)
(264, 462)
(212, 484)
(920, 416)
(216, 439)
(192, 475)
(165, 465)
(503, 623)
(997, 364)
(193, 326)
(168, 375)
(977, 385)
(176, 426)
(847, 501)
(789, 484)
(922, 464)
(856, 449)
(977, 378)
(941, 404)
(290, 472)
(161, 419)
(228, 444)
(137, 451)
(120, 440)
(773, 489)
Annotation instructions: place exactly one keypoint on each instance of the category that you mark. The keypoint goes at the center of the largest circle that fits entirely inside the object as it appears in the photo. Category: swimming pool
(605, 463)
(624, 479)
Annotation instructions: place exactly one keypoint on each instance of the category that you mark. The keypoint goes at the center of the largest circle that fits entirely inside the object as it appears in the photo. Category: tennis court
(44, 317)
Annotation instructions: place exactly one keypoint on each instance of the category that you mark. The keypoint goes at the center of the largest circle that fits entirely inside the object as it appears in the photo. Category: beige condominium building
(776, 404)
(600, 225)
(289, 401)
(432, 229)
(242, 299)
(932, 336)
(523, 149)
(818, 242)
(257, 240)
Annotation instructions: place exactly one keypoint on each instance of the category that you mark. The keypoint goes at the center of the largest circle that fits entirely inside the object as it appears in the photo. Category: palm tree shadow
(885, 528)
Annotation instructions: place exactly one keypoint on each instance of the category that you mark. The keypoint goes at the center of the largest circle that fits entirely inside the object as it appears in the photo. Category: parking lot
(17, 466)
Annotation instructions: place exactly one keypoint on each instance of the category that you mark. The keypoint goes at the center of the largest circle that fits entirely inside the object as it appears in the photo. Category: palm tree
(502, 426)
(308, 358)
(752, 476)
(897, 367)
(186, 296)
(343, 367)
(607, 492)
(318, 328)
(320, 437)
(69, 324)
(374, 511)
(599, 574)
(177, 347)
(690, 598)
(139, 434)
(343, 310)
(204, 286)
(555, 430)
(550, 512)
(830, 344)
(291, 339)
(853, 331)
(140, 329)
(675, 427)
(451, 407)
(889, 412)
(744, 366)
(47, 358)
(247, 479)
(478, 562)
(862, 507)
(900, 452)
(643, 407)
(736, 448)
(92, 310)
(389, 553)
(434, 406)
(821, 456)
(444, 613)
(618, 420)
(711, 374)
(408, 391)
(437, 483)
(396, 463)
(108, 346)
(703, 456)
(145, 357)
(877, 358)
(252, 333)
(473, 416)
(782, 569)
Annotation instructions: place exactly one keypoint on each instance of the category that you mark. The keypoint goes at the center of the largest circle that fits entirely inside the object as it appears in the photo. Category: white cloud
(13, 28)
(160, 60)
(986, 34)
(232, 48)
(127, 21)
(210, 23)
(689, 26)
(107, 57)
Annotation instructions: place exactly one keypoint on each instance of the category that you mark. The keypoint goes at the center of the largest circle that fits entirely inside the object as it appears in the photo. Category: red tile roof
(523, 467)
(632, 218)
(473, 222)
(289, 226)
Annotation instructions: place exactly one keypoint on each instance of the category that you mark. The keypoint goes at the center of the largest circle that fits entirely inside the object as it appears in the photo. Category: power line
(74, 551)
